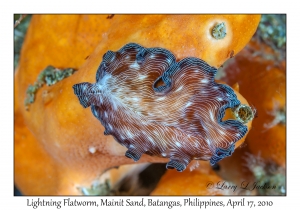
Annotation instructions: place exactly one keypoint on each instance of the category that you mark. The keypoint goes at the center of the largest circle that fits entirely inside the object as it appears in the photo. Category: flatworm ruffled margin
(152, 104)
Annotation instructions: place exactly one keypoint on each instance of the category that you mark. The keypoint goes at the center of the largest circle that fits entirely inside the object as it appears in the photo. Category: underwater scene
(157, 105)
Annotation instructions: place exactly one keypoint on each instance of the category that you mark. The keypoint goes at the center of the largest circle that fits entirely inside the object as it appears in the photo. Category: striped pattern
(152, 104)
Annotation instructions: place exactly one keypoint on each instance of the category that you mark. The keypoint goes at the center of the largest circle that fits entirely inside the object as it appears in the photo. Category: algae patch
(272, 29)
(49, 76)
(219, 31)
(98, 189)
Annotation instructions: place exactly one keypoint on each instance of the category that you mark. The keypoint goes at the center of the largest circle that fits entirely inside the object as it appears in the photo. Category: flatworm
(152, 104)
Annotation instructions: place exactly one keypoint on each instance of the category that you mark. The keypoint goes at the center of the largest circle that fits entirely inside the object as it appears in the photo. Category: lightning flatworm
(153, 104)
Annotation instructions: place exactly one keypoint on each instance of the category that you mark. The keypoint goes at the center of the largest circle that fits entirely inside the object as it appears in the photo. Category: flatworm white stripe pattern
(152, 104)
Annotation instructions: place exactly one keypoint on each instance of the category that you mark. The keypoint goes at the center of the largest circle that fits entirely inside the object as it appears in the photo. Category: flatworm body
(152, 104)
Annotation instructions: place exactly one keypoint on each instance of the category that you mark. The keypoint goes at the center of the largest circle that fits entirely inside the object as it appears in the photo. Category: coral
(68, 140)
